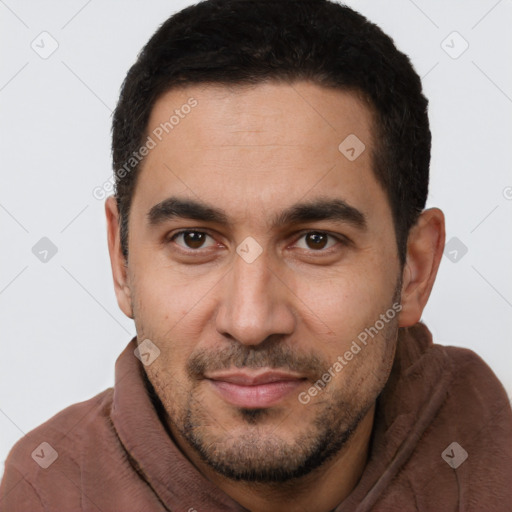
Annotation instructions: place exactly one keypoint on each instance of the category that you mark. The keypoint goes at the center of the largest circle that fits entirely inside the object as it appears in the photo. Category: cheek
(346, 303)
(352, 307)
(167, 299)
(362, 369)
(169, 385)
(170, 309)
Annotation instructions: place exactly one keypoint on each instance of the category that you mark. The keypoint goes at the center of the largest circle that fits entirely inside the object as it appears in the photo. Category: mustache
(275, 356)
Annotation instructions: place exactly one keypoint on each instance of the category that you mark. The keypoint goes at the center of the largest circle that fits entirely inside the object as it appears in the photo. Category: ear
(117, 260)
(425, 247)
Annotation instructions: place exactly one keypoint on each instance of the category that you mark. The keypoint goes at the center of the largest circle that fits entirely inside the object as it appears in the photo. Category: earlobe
(424, 251)
(117, 260)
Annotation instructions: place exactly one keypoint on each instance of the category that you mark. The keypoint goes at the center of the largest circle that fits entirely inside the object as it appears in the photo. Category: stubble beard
(260, 454)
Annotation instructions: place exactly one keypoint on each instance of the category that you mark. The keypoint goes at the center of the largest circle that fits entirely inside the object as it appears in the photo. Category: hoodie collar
(414, 392)
(153, 453)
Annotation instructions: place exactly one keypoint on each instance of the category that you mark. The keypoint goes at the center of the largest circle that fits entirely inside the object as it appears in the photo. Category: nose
(255, 303)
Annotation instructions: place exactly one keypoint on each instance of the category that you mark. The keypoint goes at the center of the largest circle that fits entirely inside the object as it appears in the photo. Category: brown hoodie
(441, 442)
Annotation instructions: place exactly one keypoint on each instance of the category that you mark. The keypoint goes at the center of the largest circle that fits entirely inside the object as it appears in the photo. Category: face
(263, 265)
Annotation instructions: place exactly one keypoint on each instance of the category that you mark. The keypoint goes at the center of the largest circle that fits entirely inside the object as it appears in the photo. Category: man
(268, 237)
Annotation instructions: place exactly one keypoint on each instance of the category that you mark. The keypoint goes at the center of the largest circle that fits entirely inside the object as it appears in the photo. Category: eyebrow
(316, 210)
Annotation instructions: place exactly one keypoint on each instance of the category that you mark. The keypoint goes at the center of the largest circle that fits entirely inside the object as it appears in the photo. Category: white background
(61, 327)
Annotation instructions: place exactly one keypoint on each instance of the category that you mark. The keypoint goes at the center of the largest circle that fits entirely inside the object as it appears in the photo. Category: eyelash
(342, 240)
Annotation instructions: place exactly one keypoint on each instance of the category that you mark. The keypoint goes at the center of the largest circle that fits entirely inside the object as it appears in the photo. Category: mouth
(254, 390)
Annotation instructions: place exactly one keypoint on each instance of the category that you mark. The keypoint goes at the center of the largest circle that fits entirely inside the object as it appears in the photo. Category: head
(271, 164)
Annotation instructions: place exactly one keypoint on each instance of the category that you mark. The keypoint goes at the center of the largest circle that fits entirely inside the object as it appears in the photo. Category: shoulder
(474, 423)
(50, 456)
(469, 372)
(68, 424)
(473, 389)
(464, 454)
(477, 390)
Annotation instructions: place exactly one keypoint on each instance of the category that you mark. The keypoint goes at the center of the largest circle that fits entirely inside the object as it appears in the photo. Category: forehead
(295, 111)
(259, 146)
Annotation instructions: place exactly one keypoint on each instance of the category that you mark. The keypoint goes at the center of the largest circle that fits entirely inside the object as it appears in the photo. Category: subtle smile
(254, 390)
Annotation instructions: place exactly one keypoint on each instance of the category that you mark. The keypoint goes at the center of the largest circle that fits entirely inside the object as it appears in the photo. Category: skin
(254, 152)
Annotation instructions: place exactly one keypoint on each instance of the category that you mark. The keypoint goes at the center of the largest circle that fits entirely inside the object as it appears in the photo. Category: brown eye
(316, 240)
(192, 239)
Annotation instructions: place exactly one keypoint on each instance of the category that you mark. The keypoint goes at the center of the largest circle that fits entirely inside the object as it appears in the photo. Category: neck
(320, 491)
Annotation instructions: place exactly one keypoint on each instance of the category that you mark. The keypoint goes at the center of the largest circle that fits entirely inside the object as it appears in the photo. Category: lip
(254, 390)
